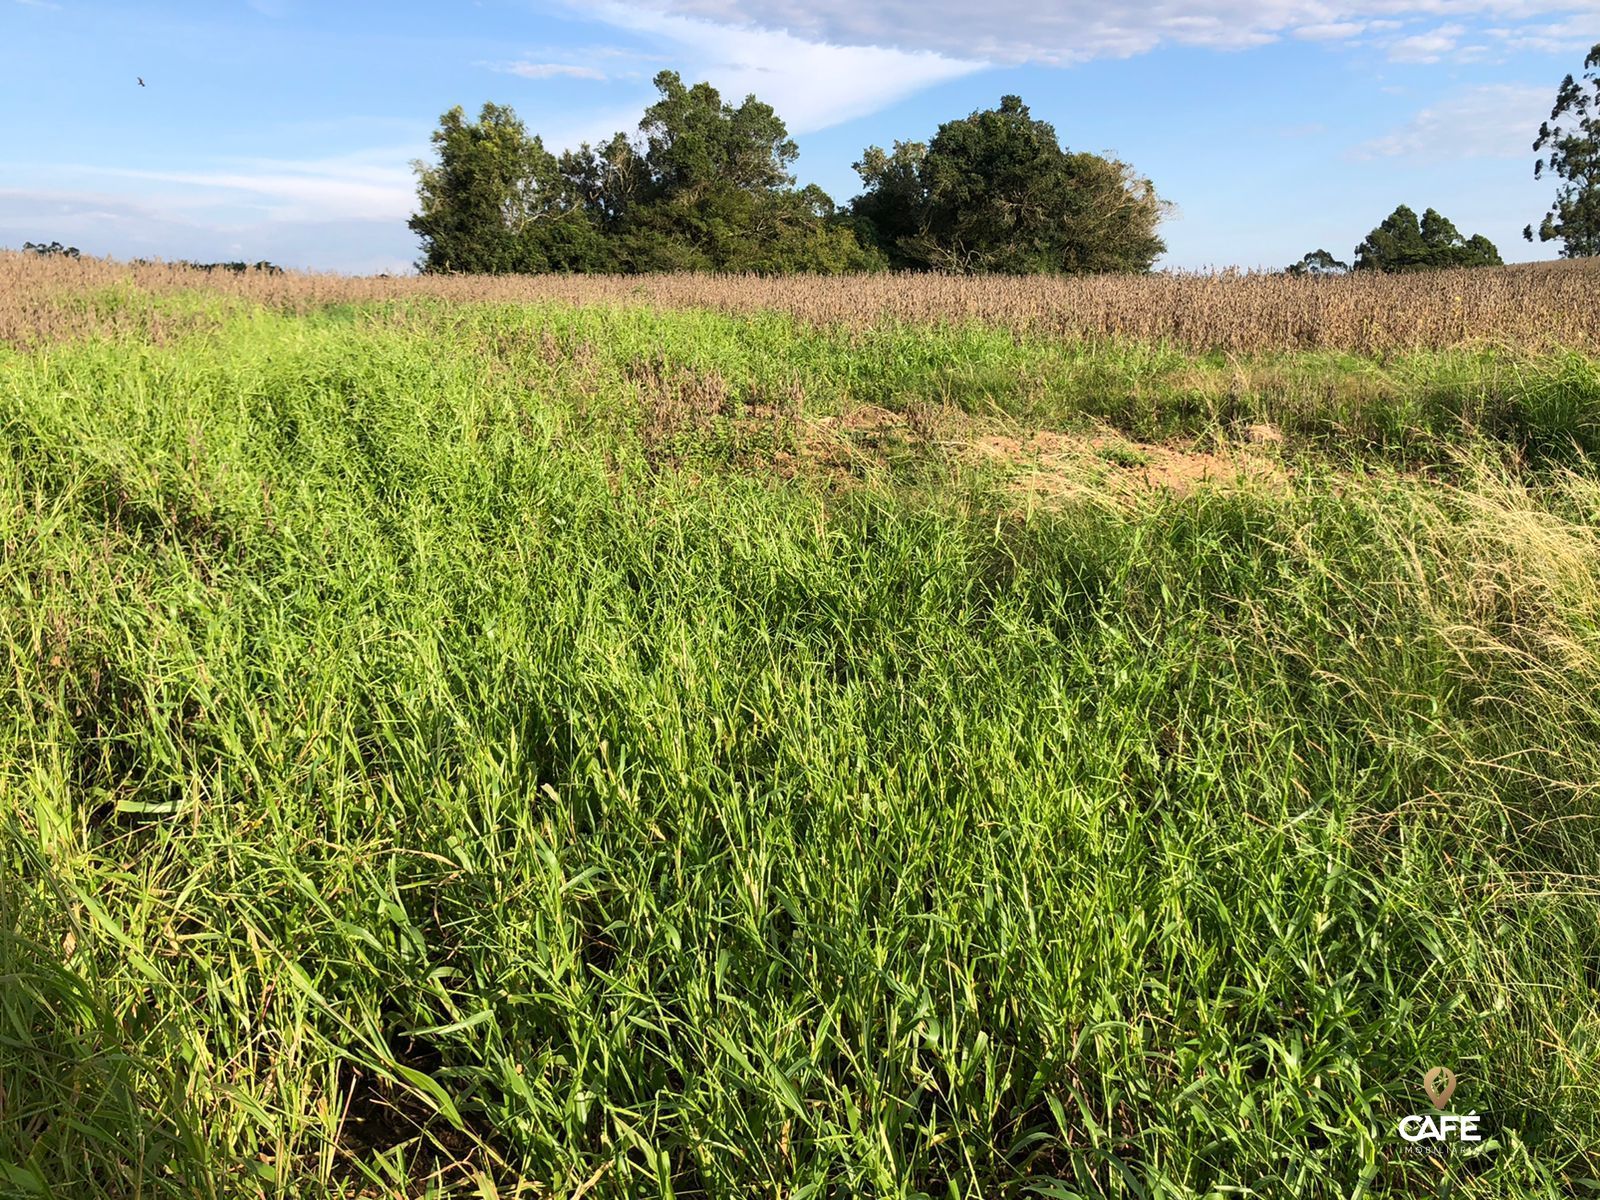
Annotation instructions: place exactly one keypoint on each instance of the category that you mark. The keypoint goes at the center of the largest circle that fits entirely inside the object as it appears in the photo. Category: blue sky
(285, 129)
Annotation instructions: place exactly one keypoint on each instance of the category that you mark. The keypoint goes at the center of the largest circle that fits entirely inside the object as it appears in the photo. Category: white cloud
(1558, 37)
(813, 84)
(1426, 47)
(377, 186)
(1492, 121)
(1066, 31)
(1330, 31)
(533, 70)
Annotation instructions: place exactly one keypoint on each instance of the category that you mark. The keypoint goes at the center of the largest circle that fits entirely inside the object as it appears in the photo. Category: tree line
(706, 185)
(1405, 242)
(57, 250)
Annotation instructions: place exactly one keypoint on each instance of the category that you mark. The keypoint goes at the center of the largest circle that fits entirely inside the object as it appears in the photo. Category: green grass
(1408, 408)
(440, 752)
(1121, 454)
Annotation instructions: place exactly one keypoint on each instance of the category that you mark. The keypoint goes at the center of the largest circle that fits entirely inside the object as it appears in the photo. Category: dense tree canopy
(1405, 243)
(712, 190)
(705, 186)
(496, 201)
(1572, 139)
(995, 191)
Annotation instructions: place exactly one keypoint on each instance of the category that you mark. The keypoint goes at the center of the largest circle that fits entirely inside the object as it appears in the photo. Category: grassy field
(462, 747)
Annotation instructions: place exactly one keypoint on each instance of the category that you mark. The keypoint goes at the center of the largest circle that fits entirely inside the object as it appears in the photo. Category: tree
(606, 181)
(51, 249)
(891, 211)
(1574, 156)
(1319, 263)
(496, 201)
(705, 185)
(1108, 219)
(712, 190)
(995, 191)
(694, 142)
(1405, 243)
(1395, 245)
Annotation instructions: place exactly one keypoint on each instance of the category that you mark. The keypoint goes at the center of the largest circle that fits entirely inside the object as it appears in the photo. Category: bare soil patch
(1070, 465)
(1038, 465)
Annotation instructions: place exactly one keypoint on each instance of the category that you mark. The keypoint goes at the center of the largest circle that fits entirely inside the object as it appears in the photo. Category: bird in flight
(141, 81)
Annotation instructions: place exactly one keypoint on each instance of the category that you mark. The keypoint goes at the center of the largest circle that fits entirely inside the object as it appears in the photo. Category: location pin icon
(1440, 1084)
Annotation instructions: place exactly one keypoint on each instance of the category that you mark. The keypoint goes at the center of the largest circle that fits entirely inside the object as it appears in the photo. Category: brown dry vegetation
(1050, 468)
(1534, 306)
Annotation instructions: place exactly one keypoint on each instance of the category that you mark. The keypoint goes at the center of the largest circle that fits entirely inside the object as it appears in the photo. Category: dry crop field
(1535, 306)
(712, 737)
